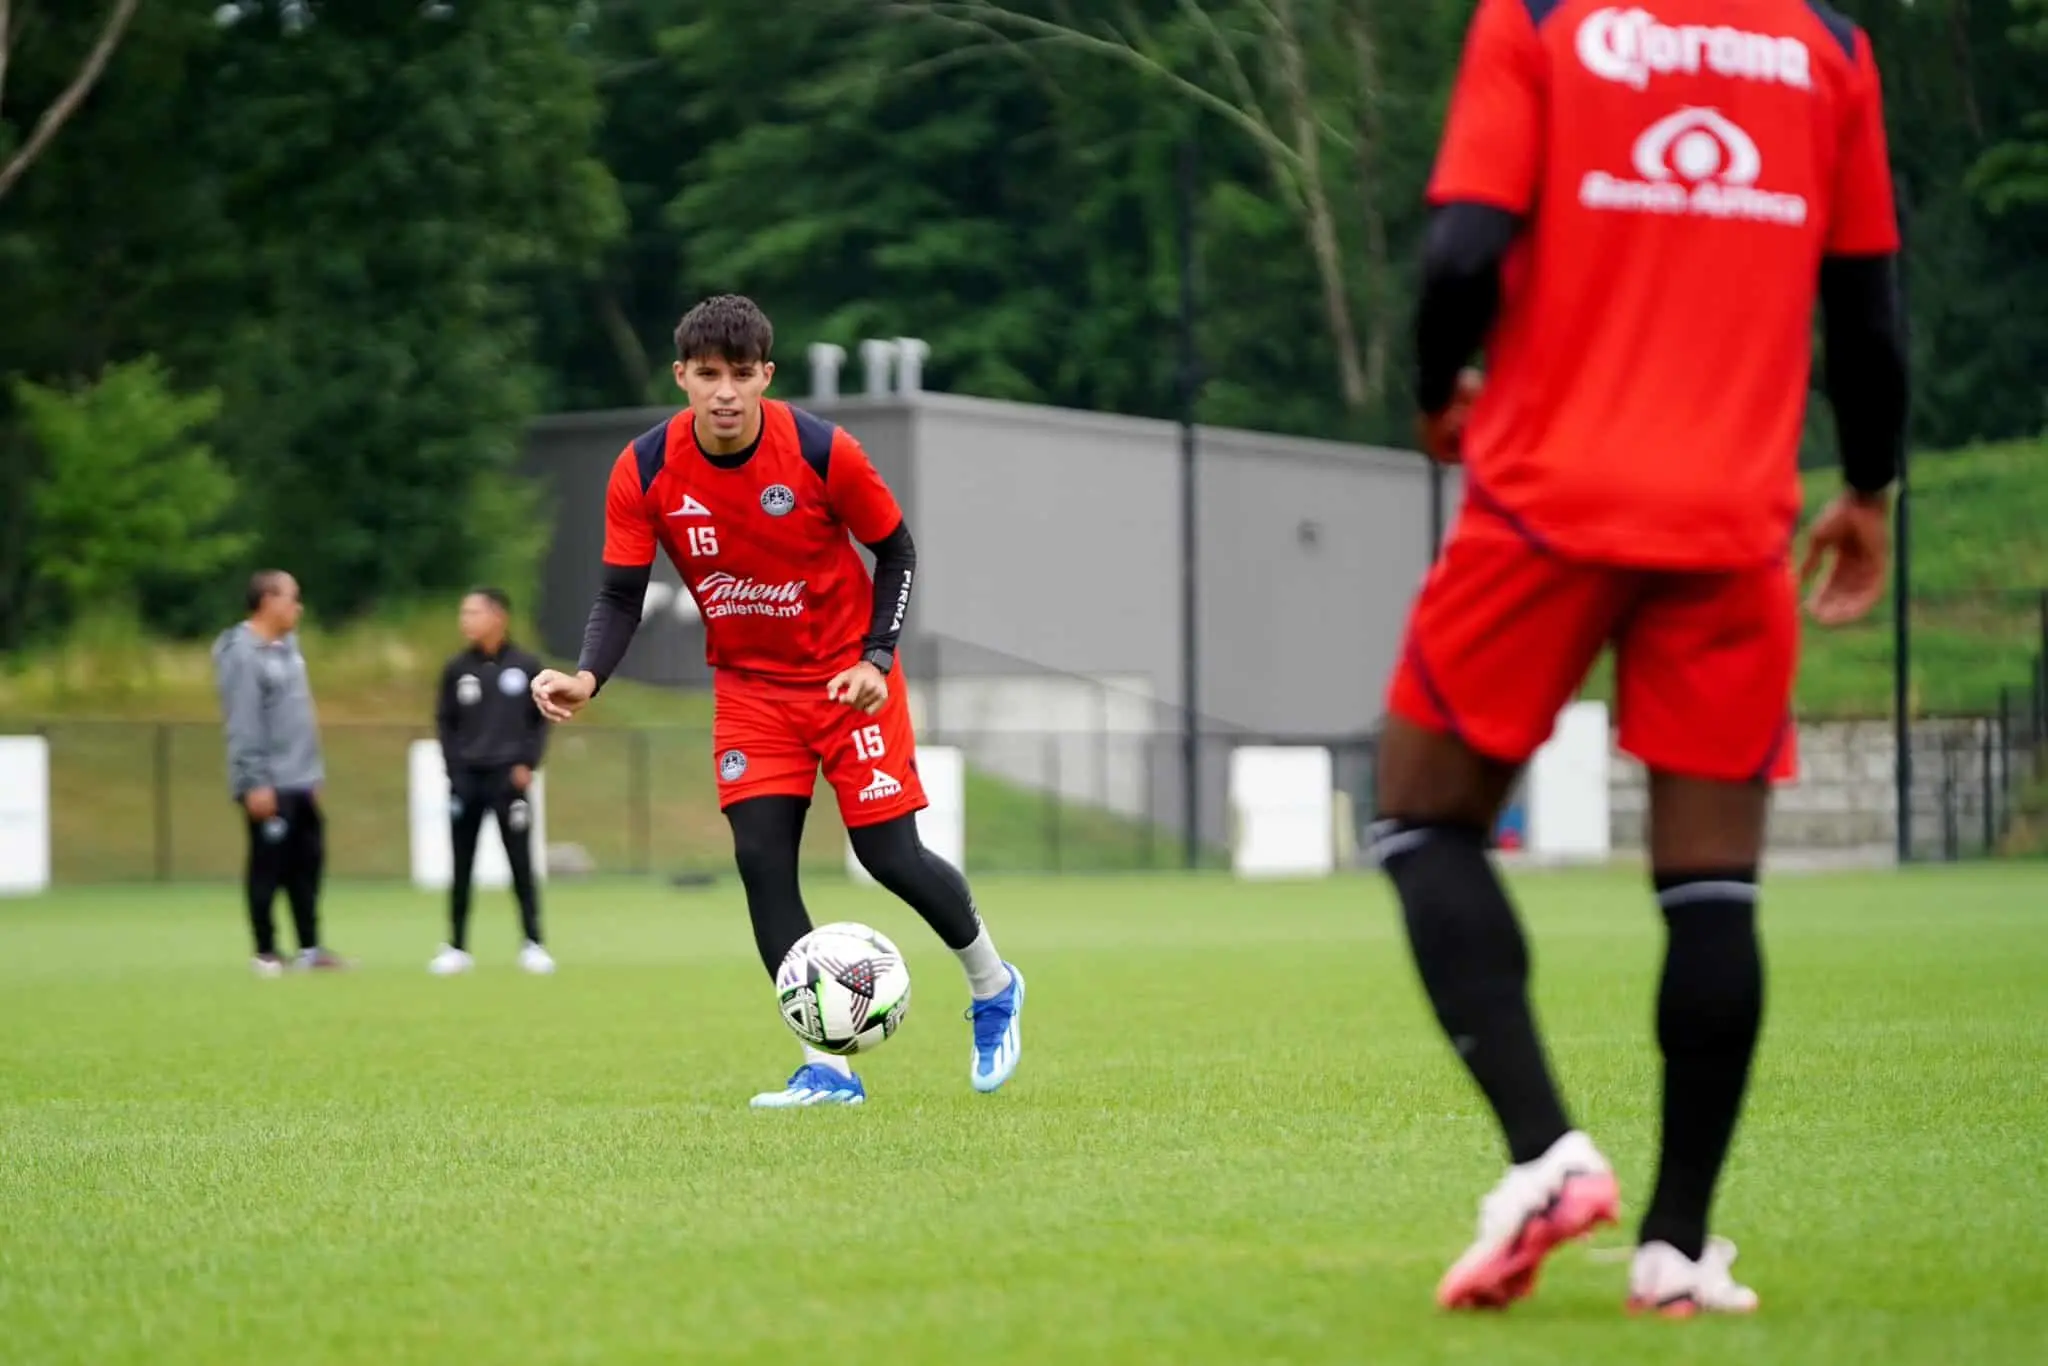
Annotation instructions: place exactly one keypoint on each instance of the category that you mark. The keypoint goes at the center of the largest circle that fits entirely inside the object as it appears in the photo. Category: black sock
(1709, 1009)
(934, 888)
(767, 837)
(1469, 951)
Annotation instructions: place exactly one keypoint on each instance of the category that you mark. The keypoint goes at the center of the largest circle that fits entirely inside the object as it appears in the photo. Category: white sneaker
(1665, 1281)
(1562, 1195)
(536, 959)
(450, 961)
(267, 965)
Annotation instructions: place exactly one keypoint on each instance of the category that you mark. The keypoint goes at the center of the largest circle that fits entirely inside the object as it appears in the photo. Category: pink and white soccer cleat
(1564, 1194)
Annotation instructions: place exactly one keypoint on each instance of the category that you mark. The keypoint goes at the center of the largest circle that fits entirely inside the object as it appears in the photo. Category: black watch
(883, 659)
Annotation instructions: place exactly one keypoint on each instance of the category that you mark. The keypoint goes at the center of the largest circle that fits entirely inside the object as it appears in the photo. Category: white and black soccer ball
(843, 988)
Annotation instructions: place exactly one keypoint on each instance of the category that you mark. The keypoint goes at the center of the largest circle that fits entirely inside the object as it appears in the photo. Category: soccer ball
(843, 988)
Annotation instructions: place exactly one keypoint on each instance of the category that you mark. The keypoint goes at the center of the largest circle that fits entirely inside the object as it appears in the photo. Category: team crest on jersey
(732, 766)
(512, 681)
(778, 500)
(468, 691)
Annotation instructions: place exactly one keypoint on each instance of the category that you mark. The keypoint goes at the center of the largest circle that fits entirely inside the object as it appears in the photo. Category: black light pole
(1902, 598)
(1190, 562)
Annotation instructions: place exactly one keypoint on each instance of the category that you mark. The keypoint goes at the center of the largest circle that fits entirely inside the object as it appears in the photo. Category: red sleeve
(628, 535)
(856, 493)
(1492, 150)
(1863, 221)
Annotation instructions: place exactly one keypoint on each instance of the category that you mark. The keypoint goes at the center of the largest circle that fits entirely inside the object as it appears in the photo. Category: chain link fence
(148, 802)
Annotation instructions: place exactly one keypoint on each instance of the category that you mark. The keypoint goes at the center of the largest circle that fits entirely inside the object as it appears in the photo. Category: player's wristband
(881, 658)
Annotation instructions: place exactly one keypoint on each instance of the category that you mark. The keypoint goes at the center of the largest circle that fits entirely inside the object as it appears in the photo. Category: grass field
(1235, 1137)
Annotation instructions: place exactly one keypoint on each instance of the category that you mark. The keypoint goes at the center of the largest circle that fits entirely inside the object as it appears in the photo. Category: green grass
(1211, 1154)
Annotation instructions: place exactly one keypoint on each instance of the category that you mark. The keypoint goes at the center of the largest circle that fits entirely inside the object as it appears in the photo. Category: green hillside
(1979, 576)
(1980, 572)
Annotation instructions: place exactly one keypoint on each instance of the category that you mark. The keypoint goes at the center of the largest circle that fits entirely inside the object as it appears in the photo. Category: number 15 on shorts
(867, 742)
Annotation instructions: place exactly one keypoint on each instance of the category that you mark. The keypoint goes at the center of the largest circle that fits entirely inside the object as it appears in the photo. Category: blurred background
(1115, 291)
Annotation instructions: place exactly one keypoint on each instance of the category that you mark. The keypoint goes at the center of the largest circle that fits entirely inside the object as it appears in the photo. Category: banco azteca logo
(1694, 162)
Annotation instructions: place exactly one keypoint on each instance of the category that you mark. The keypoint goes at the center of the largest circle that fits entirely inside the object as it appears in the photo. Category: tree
(2013, 175)
(1304, 83)
(131, 496)
(19, 158)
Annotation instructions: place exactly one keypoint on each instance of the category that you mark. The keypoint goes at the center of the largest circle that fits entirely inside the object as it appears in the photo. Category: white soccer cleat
(1562, 1195)
(1665, 1281)
(450, 961)
(536, 960)
(267, 965)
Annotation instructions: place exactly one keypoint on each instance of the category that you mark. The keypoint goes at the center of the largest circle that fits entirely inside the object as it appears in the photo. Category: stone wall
(1845, 802)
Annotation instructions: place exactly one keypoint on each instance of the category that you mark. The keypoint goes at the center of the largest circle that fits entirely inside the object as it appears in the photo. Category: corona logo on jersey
(720, 594)
(1697, 162)
(1630, 46)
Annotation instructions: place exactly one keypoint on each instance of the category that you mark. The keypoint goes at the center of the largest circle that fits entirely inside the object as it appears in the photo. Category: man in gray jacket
(274, 766)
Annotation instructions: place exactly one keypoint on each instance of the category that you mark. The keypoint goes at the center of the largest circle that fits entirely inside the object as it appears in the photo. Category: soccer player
(1633, 210)
(492, 739)
(275, 769)
(757, 505)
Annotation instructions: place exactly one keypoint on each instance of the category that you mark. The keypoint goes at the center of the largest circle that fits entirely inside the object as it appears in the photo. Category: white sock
(818, 1057)
(986, 975)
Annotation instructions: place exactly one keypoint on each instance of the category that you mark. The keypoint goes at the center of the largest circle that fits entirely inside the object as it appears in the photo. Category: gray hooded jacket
(266, 707)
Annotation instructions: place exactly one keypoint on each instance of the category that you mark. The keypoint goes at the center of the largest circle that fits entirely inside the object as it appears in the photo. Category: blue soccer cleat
(998, 1034)
(813, 1084)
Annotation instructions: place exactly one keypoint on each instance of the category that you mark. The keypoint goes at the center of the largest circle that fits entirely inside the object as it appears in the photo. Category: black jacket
(486, 714)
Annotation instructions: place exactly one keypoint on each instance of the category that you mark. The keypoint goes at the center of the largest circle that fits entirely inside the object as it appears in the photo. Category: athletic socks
(1474, 964)
(987, 976)
(1709, 1011)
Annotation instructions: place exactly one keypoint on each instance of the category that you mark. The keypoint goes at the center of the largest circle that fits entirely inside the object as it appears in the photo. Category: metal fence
(138, 801)
(1981, 779)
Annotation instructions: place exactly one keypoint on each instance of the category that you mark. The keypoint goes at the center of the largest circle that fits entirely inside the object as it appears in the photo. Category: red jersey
(1681, 167)
(761, 540)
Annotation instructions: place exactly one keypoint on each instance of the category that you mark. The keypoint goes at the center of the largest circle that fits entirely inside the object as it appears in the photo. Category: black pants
(287, 851)
(475, 793)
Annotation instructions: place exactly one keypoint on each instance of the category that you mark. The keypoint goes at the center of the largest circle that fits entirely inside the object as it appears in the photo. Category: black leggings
(767, 836)
(288, 851)
(474, 794)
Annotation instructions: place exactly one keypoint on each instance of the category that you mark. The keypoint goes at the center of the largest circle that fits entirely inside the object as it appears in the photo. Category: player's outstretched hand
(560, 696)
(862, 687)
(1443, 436)
(1856, 530)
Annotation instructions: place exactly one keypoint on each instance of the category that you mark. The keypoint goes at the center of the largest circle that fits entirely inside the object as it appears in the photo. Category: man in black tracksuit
(492, 738)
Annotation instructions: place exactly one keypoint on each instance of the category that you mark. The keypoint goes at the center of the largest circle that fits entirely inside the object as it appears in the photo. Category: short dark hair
(497, 597)
(262, 584)
(731, 327)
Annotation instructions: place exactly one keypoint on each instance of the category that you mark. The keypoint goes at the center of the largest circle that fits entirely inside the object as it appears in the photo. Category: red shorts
(1504, 633)
(772, 742)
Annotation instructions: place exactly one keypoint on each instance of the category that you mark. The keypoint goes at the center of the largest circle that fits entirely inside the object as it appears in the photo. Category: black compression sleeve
(613, 619)
(1460, 294)
(1865, 338)
(895, 567)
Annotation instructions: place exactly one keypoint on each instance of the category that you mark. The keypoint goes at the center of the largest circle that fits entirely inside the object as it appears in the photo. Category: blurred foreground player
(492, 739)
(754, 502)
(275, 768)
(1634, 211)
